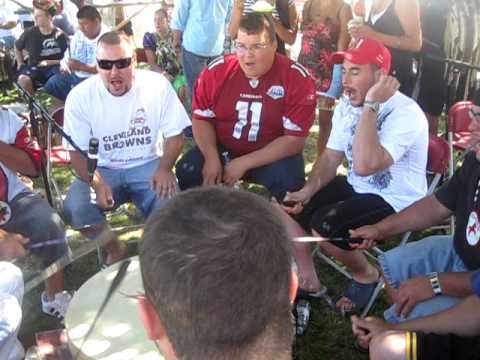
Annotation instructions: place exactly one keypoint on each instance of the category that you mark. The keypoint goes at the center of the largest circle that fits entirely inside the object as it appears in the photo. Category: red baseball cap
(366, 51)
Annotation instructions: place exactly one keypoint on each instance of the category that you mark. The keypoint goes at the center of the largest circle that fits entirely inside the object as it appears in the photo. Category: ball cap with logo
(366, 51)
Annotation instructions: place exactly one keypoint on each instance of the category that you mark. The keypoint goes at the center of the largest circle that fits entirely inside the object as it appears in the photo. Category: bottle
(303, 316)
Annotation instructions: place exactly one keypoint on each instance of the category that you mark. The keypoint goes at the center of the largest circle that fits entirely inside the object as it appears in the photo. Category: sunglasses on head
(119, 64)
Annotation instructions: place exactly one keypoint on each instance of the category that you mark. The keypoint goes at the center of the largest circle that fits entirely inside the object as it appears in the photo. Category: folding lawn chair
(438, 159)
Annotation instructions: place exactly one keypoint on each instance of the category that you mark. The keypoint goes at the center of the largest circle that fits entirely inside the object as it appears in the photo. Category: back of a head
(256, 23)
(216, 264)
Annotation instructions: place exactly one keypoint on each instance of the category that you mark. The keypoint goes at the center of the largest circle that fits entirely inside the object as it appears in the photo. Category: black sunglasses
(119, 64)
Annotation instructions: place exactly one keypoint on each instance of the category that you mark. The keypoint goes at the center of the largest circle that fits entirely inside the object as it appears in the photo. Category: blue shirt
(476, 282)
(203, 24)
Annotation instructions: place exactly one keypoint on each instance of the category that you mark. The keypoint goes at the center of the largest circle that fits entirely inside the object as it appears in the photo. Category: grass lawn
(328, 336)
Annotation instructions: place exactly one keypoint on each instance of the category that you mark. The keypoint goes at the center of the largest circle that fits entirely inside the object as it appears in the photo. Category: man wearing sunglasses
(252, 112)
(138, 120)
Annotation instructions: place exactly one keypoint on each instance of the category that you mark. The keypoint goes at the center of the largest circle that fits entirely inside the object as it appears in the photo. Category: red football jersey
(248, 114)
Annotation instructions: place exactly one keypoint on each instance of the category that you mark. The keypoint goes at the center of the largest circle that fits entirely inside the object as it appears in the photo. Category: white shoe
(58, 306)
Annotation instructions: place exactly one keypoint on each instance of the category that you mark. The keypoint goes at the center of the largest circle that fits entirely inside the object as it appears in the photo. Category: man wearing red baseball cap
(383, 135)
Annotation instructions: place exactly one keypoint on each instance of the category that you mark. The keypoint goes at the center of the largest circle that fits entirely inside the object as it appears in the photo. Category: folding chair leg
(373, 298)
(330, 262)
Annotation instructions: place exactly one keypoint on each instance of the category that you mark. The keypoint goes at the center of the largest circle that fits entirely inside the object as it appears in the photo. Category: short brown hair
(255, 23)
(216, 264)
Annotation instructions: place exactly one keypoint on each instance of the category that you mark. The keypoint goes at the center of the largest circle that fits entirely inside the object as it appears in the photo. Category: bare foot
(116, 252)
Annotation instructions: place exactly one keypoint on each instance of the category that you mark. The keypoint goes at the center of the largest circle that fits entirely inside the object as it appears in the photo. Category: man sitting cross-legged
(217, 270)
(251, 114)
(138, 120)
(383, 134)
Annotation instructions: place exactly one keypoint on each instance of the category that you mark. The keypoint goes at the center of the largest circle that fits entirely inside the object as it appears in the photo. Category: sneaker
(58, 306)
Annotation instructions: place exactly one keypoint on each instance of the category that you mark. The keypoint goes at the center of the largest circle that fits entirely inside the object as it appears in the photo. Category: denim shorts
(434, 253)
(132, 184)
(59, 85)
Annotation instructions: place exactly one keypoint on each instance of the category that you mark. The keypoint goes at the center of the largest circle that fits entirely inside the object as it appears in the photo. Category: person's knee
(388, 346)
(24, 80)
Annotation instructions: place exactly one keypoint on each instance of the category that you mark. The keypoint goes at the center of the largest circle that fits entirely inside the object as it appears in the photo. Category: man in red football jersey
(251, 114)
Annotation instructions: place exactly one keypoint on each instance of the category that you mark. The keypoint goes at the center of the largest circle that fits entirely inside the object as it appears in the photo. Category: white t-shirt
(10, 125)
(6, 15)
(403, 131)
(82, 49)
(130, 128)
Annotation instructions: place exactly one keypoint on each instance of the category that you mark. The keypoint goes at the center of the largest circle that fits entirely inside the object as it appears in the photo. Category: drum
(119, 333)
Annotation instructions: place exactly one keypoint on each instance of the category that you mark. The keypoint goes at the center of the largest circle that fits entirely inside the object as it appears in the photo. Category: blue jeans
(193, 65)
(434, 253)
(59, 85)
(130, 184)
(283, 175)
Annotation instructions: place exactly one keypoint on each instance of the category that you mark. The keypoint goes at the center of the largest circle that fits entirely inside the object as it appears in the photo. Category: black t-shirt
(458, 196)
(42, 47)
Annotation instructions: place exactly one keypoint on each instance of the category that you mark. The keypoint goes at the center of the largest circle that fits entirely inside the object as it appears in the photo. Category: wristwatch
(435, 282)
(374, 105)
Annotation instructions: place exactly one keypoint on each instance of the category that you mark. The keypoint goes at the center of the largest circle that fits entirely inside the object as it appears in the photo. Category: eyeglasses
(119, 64)
(241, 48)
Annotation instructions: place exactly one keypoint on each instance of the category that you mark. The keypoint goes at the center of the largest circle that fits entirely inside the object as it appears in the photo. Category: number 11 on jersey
(242, 108)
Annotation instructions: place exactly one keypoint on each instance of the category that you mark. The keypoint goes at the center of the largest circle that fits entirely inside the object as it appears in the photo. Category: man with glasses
(138, 120)
(251, 114)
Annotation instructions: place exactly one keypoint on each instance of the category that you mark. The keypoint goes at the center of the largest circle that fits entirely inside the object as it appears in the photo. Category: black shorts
(441, 347)
(337, 208)
(39, 74)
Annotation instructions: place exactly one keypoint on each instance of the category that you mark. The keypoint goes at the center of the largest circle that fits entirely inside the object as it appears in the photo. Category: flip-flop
(359, 294)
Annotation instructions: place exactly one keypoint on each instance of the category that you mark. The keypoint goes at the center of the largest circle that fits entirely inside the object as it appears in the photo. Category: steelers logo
(5, 213)
(472, 233)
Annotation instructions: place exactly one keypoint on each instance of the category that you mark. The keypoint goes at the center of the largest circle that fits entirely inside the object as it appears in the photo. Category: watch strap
(435, 282)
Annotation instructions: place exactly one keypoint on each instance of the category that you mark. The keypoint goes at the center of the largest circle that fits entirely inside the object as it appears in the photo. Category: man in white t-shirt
(8, 21)
(79, 61)
(138, 120)
(383, 135)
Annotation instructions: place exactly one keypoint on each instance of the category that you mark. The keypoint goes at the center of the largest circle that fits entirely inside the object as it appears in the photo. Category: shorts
(434, 253)
(39, 75)
(59, 85)
(337, 208)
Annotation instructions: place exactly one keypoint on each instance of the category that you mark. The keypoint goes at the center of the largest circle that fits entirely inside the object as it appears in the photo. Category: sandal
(359, 294)
(314, 296)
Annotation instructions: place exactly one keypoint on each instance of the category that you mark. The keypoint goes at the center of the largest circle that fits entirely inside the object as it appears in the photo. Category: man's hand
(296, 200)
(74, 64)
(410, 293)
(212, 171)
(164, 183)
(366, 329)
(234, 171)
(104, 195)
(360, 31)
(370, 235)
(383, 89)
(11, 245)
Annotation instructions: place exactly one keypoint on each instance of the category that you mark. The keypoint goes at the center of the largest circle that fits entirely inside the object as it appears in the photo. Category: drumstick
(319, 239)
(117, 280)
(67, 259)
(37, 245)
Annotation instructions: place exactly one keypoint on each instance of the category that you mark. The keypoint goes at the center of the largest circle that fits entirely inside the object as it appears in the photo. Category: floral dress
(319, 41)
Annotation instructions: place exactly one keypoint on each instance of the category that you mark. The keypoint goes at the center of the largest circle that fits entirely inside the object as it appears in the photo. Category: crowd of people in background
(226, 73)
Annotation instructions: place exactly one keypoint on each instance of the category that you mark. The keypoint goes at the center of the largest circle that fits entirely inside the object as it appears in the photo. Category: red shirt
(249, 114)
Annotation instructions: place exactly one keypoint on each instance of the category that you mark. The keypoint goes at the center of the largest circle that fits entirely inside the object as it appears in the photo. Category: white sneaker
(58, 306)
